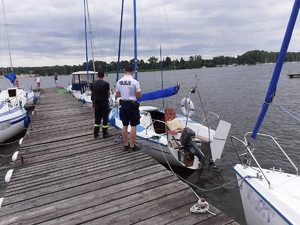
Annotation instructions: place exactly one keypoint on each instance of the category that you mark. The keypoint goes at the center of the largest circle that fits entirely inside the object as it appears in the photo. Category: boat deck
(68, 177)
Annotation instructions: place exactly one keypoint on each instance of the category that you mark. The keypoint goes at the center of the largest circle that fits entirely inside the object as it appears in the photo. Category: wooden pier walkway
(68, 177)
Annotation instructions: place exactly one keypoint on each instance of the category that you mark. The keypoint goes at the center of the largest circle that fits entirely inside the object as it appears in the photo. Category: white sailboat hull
(161, 146)
(86, 98)
(164, 154)
(11, 122)
(20, 96)
(262, 205)
(30, 99)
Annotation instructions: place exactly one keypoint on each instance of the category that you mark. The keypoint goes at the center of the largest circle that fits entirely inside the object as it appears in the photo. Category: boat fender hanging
(26, 121)
(187, 107)
(15, 156)
(8, 175)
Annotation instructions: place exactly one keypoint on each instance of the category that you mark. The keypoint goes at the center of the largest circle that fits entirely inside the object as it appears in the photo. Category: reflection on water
(236, 95)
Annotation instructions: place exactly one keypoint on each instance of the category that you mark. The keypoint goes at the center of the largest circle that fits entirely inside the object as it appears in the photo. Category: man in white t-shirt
(129, 90)
(38, 82)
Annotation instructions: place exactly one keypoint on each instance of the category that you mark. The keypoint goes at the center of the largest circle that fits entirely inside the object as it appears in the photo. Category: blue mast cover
(272, 87)
(167, 92)
(11, 77)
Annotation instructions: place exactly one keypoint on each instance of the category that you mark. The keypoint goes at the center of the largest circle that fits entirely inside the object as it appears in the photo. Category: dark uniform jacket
(100, 89)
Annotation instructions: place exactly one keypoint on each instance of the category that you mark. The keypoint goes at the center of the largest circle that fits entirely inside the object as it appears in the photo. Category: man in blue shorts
(129, 90)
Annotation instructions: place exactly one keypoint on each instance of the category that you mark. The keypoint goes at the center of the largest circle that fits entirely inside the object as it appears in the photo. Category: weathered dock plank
(68, 177)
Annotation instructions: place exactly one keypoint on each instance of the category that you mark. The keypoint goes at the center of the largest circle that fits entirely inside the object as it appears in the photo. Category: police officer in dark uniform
(100, 94)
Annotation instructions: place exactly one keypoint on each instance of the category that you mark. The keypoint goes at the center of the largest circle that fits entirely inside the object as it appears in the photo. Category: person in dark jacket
(100, 93)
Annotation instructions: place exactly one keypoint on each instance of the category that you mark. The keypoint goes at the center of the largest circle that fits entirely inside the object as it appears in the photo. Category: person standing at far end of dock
(55, 79)
(38, 81)
(100, 93)
(129, 90)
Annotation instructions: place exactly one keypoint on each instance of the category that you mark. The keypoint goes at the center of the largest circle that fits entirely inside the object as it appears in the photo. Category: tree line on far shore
(153, 63)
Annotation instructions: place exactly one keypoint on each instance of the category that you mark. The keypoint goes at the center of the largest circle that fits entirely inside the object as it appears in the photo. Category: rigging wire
(120, 39)
(5, 24)
(97, 44)
(169, 34)
(86, 49)
(91, 36)
(6, 30)
(295, 115)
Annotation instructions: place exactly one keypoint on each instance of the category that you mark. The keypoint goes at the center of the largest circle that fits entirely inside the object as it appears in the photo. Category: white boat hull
(161, 146)
(262, 205)
(25, 98)
(11, 122)
(86, 98)
(30, 99)
(164, 154)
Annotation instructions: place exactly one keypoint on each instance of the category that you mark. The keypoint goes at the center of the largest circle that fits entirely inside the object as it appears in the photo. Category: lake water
(236, 95)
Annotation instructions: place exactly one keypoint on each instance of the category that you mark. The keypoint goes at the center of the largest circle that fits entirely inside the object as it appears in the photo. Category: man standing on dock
(55, 79)
(129, 90)
(100, 94)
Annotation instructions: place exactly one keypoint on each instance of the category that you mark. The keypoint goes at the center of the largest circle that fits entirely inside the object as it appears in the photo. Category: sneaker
(96, 135)
(106, 135)
(126, 148)
(134, 149)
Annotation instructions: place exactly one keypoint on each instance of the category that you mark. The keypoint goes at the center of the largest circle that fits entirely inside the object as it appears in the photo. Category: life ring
(187, 107)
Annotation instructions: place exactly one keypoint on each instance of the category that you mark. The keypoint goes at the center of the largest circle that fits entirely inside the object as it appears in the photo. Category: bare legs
(132, 135)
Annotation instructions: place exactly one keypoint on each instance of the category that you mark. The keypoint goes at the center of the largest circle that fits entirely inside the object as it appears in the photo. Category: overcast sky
(51, 32)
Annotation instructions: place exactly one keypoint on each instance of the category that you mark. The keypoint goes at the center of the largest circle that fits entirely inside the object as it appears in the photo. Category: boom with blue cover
(11, 77)
(272, 87)
(163, 93)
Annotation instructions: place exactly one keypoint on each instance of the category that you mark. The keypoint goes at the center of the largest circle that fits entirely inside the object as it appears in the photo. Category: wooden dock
(68, 177)
(295, 75)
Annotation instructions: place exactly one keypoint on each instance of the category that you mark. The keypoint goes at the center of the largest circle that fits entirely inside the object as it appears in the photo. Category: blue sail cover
(167, 92)
(272, 87)
(11, 77)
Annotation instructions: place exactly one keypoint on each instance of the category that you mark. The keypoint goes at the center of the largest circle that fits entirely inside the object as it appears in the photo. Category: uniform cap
(129, 68)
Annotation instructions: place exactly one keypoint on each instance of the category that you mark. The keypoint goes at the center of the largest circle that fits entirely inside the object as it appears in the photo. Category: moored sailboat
(13, 120)
(269, 195)
(169, 137)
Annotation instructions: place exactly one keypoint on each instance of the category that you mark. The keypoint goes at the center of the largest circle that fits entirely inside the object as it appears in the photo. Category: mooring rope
(197, 187)
(296, 116)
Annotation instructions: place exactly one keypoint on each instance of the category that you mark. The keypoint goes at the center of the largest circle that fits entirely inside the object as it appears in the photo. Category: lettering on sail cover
(126, 82)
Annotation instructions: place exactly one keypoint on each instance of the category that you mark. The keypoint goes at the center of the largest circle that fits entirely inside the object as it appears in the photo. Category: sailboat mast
(5, 23)
(120, 38)
(91, 35)
(86, 48)
(272, 87)
(161, 74)
(135, 39)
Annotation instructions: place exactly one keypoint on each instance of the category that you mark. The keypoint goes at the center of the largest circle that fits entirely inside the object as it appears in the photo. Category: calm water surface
(236, 95)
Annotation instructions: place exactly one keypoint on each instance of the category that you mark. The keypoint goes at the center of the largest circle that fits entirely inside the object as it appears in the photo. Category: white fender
(15, 156)
(8, 175)
(187, 107)
(21, 141)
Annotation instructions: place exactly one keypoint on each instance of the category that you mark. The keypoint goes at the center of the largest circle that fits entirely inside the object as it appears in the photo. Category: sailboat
(15, 94)
(269, 196)
(82, 80)
(168, 137)
(13, 119)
